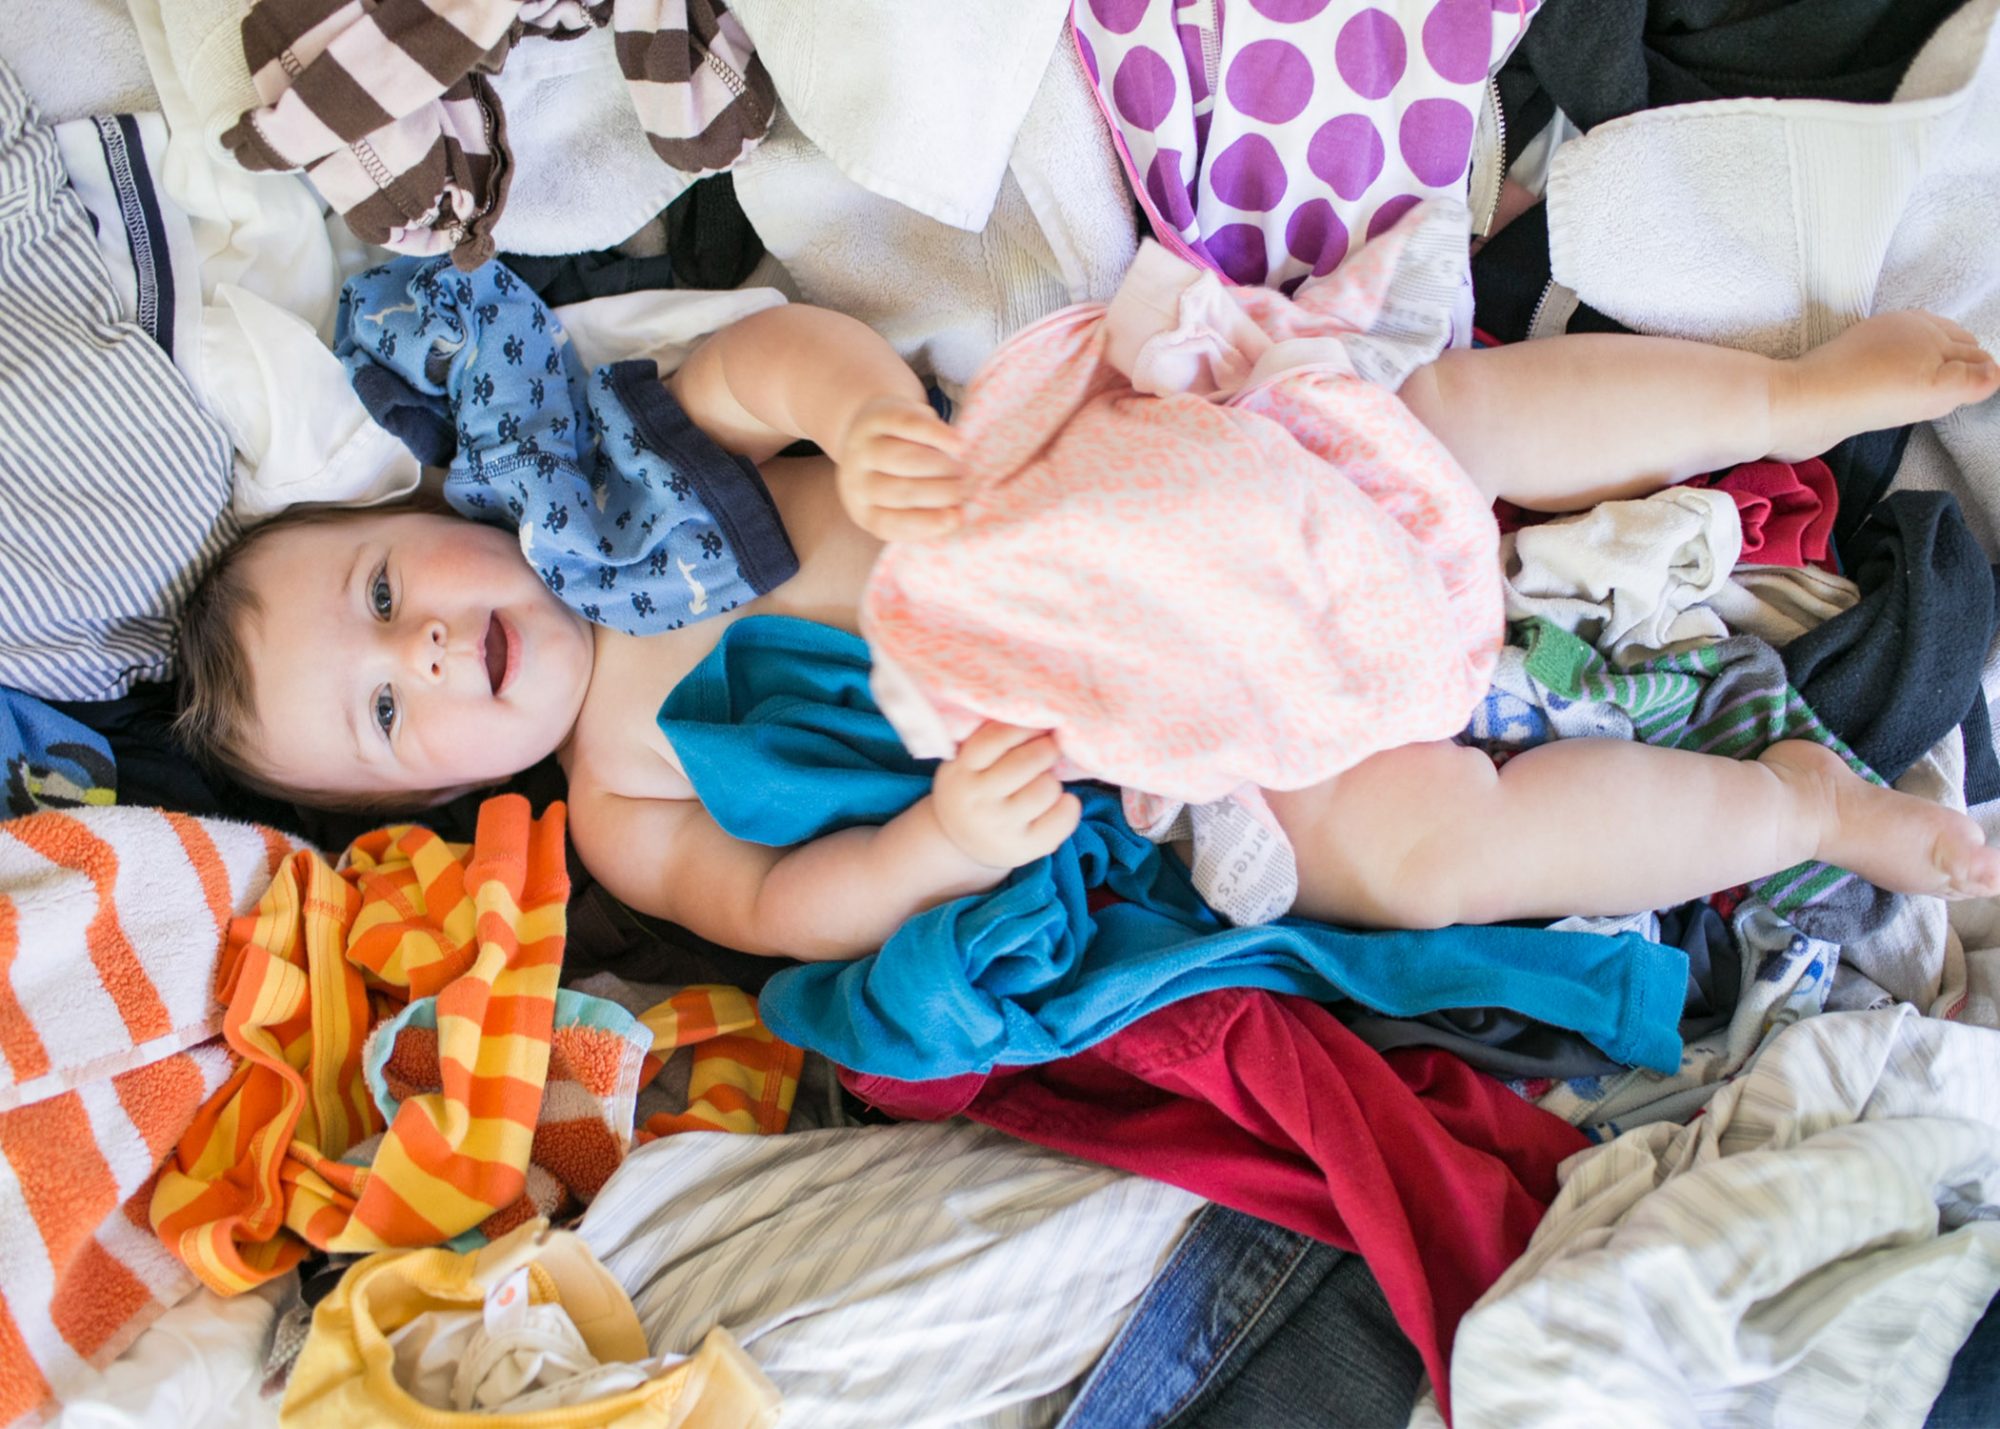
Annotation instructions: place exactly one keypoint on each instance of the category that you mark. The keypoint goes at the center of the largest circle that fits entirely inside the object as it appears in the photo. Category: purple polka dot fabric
(1271, 139)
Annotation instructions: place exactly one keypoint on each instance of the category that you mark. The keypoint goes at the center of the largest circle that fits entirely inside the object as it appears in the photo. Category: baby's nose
(427, 650)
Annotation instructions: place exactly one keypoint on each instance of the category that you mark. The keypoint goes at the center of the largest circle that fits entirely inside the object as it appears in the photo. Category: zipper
(1535, 318)
(1490, 146)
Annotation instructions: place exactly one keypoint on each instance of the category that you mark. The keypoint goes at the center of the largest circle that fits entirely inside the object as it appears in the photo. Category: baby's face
(406, 653)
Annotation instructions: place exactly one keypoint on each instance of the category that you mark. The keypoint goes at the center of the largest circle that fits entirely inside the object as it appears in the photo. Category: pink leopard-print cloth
(1199, 548)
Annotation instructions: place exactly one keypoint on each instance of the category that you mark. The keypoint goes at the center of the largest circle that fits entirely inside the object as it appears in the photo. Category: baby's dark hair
(217, 717)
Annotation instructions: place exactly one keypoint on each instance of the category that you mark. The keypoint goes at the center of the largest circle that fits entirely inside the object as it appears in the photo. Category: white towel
(1772, 224)
(585, 175)
(1061, 232)
(912, 100)
(76, 58)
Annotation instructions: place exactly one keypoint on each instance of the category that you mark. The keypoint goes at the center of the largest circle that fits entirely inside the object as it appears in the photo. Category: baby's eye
(385, 710)
(379, 597)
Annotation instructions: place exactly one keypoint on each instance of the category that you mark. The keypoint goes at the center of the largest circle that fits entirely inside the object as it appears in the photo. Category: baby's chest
(619, 748)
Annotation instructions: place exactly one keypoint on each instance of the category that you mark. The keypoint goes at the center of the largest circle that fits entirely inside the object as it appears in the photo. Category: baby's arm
(992, 809)
(800, 371)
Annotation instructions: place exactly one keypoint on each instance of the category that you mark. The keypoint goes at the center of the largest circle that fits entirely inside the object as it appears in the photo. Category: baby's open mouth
(499, 652)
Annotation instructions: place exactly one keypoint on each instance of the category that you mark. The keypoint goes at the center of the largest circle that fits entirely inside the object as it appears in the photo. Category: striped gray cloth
(114, 485)
(1813, 1250)
(913, 1275)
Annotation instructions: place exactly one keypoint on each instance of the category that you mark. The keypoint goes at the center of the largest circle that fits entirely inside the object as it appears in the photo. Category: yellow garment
(345, 1375)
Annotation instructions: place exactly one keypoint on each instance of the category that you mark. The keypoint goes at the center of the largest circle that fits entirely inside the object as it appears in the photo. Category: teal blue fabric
(783, 742)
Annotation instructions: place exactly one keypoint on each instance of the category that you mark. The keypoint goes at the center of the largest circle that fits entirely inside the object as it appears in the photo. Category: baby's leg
(1565, 422)
(1431, 834)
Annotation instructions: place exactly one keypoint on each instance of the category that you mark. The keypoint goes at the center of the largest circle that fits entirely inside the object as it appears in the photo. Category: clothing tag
(507, 1304)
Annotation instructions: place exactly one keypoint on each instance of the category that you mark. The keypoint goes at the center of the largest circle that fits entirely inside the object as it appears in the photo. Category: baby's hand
(899, 471)
(997, 800)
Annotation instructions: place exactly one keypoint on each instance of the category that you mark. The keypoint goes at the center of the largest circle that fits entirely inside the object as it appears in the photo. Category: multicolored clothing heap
(260, 1174)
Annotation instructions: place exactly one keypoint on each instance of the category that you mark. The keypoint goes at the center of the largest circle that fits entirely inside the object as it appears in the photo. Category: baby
(389, 658)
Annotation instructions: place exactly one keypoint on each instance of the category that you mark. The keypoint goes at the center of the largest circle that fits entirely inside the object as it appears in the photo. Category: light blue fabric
(781, 738)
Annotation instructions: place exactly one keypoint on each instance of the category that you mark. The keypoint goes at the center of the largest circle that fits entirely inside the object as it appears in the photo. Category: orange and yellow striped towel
(740, 1079)
(111, 930)
(263, 1172)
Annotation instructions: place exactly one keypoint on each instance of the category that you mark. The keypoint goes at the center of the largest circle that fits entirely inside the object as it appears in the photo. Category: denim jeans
(1249, 1324)
(1970, 1398)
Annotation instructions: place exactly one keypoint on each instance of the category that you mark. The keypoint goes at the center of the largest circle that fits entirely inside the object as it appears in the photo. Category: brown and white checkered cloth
(386, 104)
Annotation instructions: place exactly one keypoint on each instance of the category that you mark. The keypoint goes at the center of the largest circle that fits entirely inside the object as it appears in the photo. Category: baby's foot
(1895, 841)
(1886, 371)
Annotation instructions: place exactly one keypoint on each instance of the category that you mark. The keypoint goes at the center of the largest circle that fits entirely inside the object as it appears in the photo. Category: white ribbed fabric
(1772, 224)
(1813, 1250)
(911, 1275)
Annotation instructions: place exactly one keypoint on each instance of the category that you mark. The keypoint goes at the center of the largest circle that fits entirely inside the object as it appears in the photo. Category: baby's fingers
(986, 745)
(902, 491)
(916, 423)
(1048, 830)
(887, 524)
(1023, 766)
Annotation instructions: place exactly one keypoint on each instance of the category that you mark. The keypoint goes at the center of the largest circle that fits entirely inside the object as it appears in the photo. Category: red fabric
(1787, 509)
(1435, 1174)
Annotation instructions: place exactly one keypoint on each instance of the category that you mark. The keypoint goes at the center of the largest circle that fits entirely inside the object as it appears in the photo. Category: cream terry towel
(1772, 224)
(912, 100)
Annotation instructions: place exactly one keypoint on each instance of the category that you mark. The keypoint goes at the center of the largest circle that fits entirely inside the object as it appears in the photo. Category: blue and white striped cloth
(114, 485)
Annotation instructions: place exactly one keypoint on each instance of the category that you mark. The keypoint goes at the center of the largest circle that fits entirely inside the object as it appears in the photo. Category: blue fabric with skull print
(627, 510)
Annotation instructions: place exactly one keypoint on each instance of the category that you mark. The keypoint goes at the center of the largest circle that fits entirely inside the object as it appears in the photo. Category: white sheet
(200, 1363)
(1813, 1250)
(912, 1275)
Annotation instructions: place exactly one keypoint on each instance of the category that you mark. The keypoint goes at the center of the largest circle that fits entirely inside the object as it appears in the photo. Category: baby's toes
(1970, 379)
(1971, 869)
